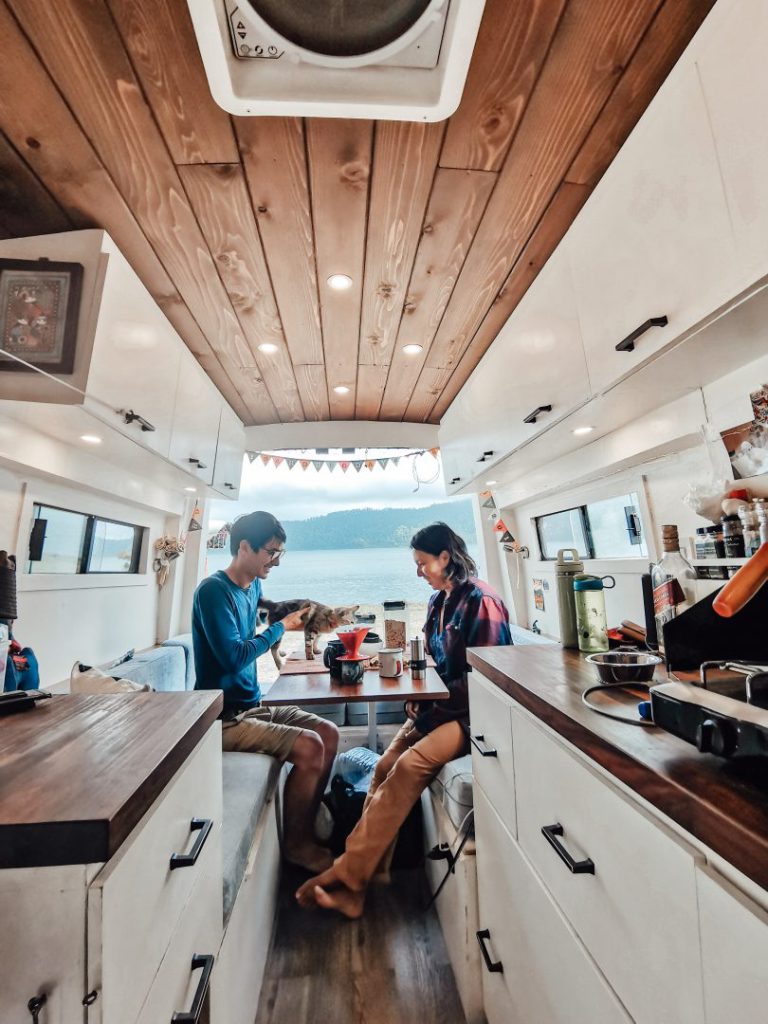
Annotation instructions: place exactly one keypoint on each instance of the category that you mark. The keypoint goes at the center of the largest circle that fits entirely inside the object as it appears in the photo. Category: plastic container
(566, 569)
(591, 622)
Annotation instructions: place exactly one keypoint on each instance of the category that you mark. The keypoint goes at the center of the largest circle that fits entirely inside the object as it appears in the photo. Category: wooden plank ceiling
(235, 224)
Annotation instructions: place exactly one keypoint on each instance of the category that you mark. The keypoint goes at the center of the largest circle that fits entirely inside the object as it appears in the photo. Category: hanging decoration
(196, 519)
(167, 549)
(267, 459)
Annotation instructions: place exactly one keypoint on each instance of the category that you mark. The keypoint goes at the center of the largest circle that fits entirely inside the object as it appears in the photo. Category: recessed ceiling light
(190, 488)
(412, 350)
(490, 483)
(340, 282)
(90, 438)
(268, 347)
(583, 430)
(341, 389)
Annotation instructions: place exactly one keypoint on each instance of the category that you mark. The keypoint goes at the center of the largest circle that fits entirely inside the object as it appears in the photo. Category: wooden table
(321, 688)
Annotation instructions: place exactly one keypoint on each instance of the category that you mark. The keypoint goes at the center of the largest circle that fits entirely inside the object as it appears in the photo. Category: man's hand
(296, 620)
(412, 709)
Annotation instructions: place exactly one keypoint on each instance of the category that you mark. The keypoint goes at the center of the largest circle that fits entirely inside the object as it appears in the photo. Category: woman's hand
(412, 709)
(297, 619)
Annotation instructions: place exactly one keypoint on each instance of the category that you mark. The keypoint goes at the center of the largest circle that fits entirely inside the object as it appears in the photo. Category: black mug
(331, 656)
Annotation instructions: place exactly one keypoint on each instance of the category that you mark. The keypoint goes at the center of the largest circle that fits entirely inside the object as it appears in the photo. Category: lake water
(347, 576)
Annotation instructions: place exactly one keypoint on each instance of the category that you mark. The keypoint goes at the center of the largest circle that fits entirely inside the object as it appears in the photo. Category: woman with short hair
(463, 612)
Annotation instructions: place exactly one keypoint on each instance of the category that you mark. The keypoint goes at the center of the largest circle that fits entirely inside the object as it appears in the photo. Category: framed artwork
(39, 306)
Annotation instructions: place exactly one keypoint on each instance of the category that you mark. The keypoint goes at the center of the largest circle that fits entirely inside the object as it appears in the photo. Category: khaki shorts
(267, 730)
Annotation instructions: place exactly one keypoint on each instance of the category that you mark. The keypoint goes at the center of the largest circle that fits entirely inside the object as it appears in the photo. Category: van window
(601, 529)
(66, 542)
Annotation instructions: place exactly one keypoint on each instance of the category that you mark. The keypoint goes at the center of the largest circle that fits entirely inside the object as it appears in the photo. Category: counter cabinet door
(490, 730)
(535, 970)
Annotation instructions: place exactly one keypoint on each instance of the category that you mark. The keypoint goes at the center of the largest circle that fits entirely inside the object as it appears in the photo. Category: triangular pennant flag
(318, 464)
(344, 466)
(396, 459)
(488, 503)
(358, 465)
(290, 463)
(196, 519)
(251, 456)
(266, 459)
(277, 459)
(507, 538)
(331, 466)
(383, 463)
(434, 451)
(305, 463)
(370, 463)
(499, 527)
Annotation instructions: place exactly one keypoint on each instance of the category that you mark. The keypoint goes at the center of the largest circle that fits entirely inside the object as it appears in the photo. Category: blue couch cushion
(184, 641)
(453, 788)
(162, 667)
(249, 781)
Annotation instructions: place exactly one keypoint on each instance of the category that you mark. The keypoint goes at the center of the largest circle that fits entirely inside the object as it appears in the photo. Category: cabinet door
(536, 360)
(229, 454)
(734, 942)
(546, 976)
(135, 359)
(490, 719)
(195, 422)
(655, 238)
(734, 75)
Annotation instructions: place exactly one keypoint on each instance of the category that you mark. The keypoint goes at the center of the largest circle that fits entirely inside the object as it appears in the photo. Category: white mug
(391, 662)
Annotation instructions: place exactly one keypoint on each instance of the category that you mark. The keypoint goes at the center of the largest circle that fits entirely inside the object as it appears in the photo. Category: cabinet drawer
(637, 912)
(546, 975)
(734, 946)
(491, 736)
(135, 902)
(185, 974)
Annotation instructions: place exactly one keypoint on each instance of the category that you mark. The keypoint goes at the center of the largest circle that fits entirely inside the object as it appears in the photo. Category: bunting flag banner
(434, 451)
(290, 463)
(500, 527)
(344, 466)
(266, 459)
(507, 538)
(370, 463)
(383, 462)
(318, 464)
(488, 503)
(304, 463)
(277, 459)
(358, 465)
(396, 459)
(196, 519)
(251, 456)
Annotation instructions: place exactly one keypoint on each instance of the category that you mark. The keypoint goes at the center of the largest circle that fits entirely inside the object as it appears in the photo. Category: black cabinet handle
(455, 479)
(198, 463)
(628, 344)
(484, 751)
(576, 867)
(35, 1005)
(485, 456)
(494, 968)
(133, 417)
(193, 1015)
(186, 860)
(533, 416)
(231, 487)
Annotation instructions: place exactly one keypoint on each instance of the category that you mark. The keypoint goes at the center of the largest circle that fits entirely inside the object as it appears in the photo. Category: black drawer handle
(186, 860)
(628, 344)
(533, 416)
(133, 417)
(231, 487)
(192, 1016)
(198, 463)
(484, 750)
(494, 968)
(576, 867)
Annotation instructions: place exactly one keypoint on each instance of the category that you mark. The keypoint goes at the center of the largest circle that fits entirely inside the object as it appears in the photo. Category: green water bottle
(591, 623)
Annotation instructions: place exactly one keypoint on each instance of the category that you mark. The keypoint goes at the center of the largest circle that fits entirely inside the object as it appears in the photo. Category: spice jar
(750, 529)
(733, 537)
(716, 532)
(700, 545)
(761, 510)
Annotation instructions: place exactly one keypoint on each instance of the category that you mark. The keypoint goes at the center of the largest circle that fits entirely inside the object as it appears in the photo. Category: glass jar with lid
(750, 529)
(761, 510)
(733, 537)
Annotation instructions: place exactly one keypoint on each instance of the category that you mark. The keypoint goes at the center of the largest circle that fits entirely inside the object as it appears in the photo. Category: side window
(602, 529)
(67, 542)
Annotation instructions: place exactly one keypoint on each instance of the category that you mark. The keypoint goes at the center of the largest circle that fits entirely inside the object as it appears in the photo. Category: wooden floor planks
(388, 967)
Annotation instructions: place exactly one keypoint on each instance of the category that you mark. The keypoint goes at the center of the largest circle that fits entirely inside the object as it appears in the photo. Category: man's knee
(308, 751)
(329, 734)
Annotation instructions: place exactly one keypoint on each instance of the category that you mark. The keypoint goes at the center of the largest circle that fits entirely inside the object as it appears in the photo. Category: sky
(300, 494)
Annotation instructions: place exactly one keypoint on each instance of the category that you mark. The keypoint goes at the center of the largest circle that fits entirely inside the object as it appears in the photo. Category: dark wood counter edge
(723, 833)
(50, 844)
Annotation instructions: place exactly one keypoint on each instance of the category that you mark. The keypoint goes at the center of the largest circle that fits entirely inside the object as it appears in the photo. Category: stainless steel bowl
(622, 667)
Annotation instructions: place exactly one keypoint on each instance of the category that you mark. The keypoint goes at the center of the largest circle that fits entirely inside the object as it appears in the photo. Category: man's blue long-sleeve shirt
(223, 625)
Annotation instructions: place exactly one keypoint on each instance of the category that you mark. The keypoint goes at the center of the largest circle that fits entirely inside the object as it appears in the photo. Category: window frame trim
(582, 509)
(86, 549)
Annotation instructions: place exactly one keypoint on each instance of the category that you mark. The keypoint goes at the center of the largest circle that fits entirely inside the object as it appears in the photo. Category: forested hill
(377, 527)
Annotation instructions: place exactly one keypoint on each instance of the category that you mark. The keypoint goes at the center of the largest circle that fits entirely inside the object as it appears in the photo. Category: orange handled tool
(744, 585)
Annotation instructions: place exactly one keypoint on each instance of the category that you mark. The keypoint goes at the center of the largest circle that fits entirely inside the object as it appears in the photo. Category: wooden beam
(339, 158)
(511, 48)
(26, 205)
(455, 208)
(313, 388)
(160, 40)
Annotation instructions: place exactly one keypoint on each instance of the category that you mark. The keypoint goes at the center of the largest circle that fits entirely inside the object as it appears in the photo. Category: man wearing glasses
(224, 616)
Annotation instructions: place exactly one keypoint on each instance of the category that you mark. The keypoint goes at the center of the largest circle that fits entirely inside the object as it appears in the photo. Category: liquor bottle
(672, 577)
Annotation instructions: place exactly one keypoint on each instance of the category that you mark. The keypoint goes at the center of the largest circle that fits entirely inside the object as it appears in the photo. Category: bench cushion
(164, 668)
(184, 641)
(453, 788)
(249, 781)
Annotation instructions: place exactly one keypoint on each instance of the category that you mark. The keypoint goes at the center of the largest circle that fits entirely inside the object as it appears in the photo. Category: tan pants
(406, 768)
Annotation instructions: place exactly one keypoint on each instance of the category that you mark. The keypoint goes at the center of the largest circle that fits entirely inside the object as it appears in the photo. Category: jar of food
(700, 544)
(750, 529)
(718, 542)
(761, 510)
(733, 538)
(591, 623)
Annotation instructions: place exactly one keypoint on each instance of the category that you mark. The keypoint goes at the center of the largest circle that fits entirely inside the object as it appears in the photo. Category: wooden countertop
(77, 773)
(723, 803)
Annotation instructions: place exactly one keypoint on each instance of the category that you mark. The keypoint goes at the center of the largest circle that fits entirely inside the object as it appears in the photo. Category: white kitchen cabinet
(655, 237)
(195, 422)
(537, 360)
(734, 943)
(543, 974)
(230, 449)
(135, 359)
(730, 55)
(492, 756)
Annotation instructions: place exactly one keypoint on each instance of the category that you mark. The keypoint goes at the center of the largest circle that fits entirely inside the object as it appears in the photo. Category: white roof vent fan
(403, 60)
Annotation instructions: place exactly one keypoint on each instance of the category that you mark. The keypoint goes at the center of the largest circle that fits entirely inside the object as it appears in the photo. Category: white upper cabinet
(135, 360)
(537, 360)
(195, 422)
(731, 58)
(229, 454)
(655, 238)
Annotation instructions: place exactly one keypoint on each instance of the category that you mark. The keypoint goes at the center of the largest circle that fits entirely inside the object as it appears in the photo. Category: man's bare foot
(309, 856)
(347, 902)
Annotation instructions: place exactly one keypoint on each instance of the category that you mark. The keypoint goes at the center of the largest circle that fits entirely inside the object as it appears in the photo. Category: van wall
(658, 458)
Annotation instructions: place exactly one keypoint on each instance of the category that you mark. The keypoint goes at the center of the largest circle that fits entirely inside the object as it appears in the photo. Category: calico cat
(320, 619)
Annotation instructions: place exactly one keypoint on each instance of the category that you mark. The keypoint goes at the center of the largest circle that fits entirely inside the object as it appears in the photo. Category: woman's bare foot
(347, 902)
(305, 894)
(309, 856)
